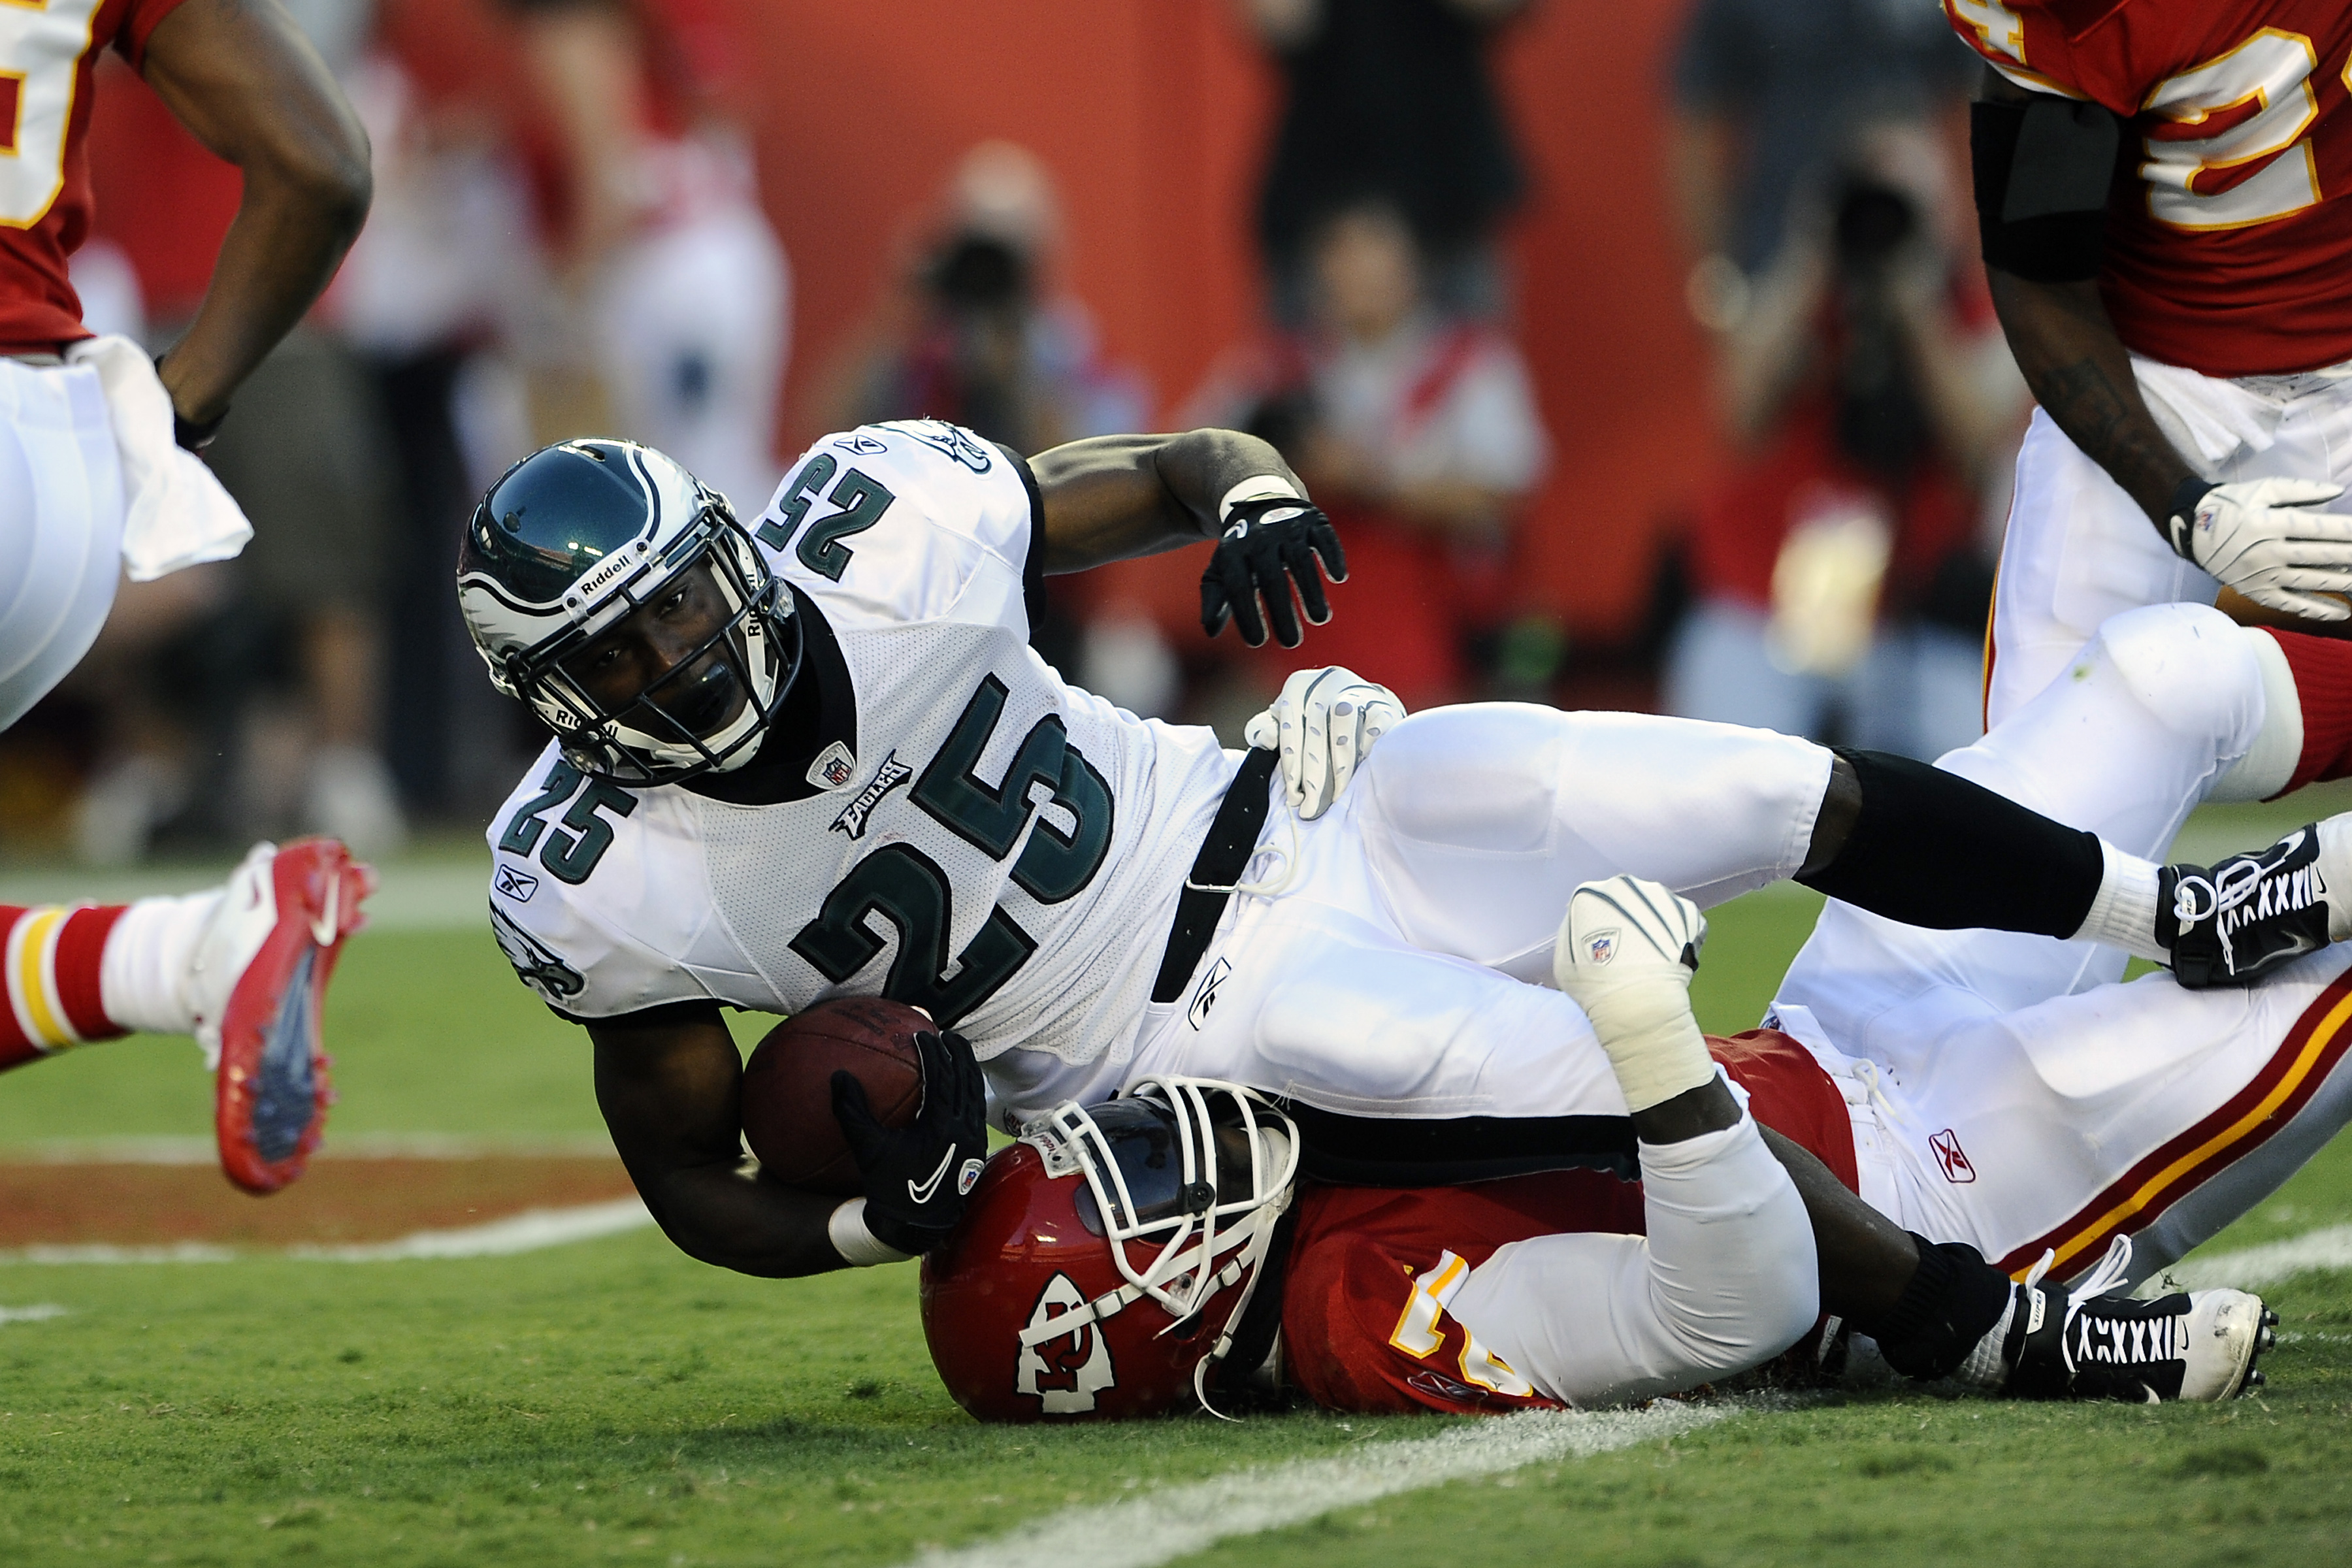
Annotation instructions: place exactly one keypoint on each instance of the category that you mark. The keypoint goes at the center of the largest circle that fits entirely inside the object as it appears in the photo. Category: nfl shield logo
(1602, 945)
(834, 767)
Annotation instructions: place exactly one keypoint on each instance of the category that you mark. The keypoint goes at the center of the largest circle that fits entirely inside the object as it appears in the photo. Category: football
(788, 1086)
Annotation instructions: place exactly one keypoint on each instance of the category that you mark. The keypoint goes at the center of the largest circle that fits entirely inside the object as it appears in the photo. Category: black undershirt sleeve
(1032, 568)
(1933, 850)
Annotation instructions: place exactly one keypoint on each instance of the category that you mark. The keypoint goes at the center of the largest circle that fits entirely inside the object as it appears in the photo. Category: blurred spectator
(973, 330)
(1837, 565)
(670, 316)
(1390, 100)
(1418, 432)
(1769, 96)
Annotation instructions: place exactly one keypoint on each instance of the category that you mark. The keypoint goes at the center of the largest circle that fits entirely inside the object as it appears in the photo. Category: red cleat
(261, 980)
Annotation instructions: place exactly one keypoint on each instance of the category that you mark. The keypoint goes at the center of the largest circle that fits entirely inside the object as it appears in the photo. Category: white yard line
(1161, 1526)
(526, 1232)
(200, 1151)
(2327, 1249)
(40, 1314)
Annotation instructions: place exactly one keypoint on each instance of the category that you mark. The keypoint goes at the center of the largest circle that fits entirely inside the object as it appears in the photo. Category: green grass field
(613, 1401)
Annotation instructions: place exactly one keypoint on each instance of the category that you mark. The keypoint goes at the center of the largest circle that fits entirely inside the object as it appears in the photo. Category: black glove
(1261, 559)
(915, 1176)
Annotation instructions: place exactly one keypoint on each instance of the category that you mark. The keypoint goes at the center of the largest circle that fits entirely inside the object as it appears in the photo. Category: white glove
(1324, 724)
(1625, 955)
(2257, 537)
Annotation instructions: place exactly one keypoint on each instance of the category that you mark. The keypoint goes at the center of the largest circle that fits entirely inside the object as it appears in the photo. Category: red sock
(51, 957)
(2322, 668)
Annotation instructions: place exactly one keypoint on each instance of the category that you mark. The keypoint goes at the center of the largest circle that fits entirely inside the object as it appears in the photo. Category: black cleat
(2196, 1345)
(2238, 920)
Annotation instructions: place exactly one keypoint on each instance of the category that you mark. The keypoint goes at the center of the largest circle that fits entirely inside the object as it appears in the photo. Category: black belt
(1223, 855)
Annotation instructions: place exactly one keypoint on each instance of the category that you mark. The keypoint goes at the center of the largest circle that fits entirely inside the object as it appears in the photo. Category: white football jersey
(995, 846)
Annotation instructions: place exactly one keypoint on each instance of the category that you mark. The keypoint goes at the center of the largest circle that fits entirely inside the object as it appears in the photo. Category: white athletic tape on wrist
(1653, 1043)
(1256, 488)
(857, 1245)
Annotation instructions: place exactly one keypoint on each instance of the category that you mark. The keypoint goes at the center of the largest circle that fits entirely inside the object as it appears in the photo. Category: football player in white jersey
(813, 755)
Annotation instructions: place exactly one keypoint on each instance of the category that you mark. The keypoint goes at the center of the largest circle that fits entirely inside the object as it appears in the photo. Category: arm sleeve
(1726, 1279)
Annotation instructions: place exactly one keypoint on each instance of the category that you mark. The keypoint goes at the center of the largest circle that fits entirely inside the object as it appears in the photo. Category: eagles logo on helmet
(573, 540)
(1106, 1259)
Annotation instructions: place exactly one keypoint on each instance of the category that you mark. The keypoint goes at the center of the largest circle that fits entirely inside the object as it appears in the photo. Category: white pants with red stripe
(61, 514)
(2078, 549)
(2008, 1091)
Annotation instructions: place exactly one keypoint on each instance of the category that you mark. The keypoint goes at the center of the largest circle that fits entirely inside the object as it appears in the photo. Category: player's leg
(243, 968)
(1478, 822)
(1334, 1009)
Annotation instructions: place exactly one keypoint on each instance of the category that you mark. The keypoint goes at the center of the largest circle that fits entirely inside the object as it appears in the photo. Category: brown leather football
(788, 1086)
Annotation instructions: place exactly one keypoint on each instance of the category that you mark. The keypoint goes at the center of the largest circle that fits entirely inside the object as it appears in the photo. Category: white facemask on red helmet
(1105, 1260)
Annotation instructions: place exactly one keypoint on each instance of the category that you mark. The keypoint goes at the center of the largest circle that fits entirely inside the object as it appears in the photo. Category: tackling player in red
(2160, 188)
(98, 477)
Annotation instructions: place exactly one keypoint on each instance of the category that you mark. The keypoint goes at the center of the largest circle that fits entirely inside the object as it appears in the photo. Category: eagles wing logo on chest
(541, 968)
(887, 777)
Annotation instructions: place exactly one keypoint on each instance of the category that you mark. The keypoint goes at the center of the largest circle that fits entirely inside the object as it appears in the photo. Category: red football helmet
(1105, 1258)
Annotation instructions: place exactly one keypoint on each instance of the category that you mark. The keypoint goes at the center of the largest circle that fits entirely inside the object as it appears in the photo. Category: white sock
(1985, 1368)
(142, 977)
(2124, 913)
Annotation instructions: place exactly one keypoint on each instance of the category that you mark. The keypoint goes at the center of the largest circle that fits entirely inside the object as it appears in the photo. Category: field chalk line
(40, 1314)
(2327, 1249)
(527, 1232)
(1159, 1527)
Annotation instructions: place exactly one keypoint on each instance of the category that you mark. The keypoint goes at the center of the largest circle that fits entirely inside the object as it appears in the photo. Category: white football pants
(1396, 958)
(2078, 549)
(2007, 1091)
(61, 514)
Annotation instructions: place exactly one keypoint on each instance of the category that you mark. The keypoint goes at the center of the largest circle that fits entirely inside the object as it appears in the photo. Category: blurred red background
(1151, 115)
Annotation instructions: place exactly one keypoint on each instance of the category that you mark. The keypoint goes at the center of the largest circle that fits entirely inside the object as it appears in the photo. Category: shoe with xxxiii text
(2234, 921)
(2085, 1344)
(258, 980)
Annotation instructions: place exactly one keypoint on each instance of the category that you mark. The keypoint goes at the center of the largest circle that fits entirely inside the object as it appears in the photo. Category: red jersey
(2229, 253)
(1372, 1269)
(47, 52)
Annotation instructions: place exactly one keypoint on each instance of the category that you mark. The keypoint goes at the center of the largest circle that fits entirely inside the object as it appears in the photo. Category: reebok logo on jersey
(513, 884)
(1204, 995)
(864, 446)
(1949, 1155)
(887, 777)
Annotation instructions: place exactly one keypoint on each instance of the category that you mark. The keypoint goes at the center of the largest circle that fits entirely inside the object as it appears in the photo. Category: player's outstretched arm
(244, 79)
(1110, 498)
(669, 1092)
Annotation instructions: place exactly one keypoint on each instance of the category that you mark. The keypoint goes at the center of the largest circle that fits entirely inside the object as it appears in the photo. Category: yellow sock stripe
(33, 978)
(2314, 1046)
